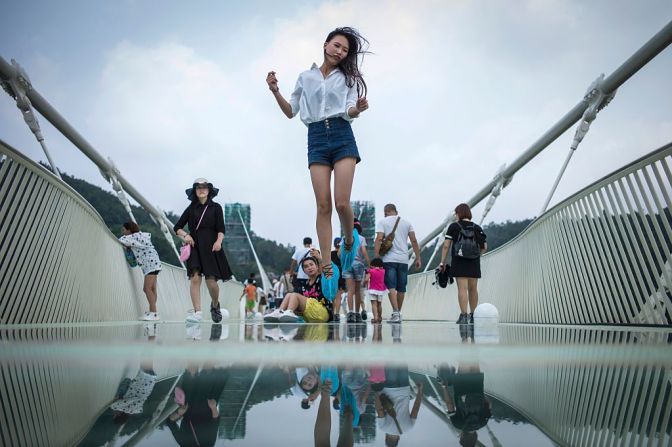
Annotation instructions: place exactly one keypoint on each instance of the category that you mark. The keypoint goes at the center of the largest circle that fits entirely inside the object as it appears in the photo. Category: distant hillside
(273, 256)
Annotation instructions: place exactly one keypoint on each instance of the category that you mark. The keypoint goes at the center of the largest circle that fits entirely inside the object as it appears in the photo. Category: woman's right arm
(179, 226)
(291, 107)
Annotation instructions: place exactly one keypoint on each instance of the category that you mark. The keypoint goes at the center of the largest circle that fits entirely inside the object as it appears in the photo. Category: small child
(375, 282)
(251, 291)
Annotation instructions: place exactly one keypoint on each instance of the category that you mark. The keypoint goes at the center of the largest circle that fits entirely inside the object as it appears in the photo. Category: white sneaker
(288, 317)
(394, 318)
(150, 316)
(194, 317)
(273, 317)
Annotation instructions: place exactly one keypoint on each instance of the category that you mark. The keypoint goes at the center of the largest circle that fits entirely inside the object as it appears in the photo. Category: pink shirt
(377, 281)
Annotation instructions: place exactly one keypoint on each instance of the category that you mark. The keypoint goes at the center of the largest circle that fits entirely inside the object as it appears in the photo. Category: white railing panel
(60, 264)
(602, 256)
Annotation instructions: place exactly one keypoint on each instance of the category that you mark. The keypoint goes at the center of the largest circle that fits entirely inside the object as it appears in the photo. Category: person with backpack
(465, 241)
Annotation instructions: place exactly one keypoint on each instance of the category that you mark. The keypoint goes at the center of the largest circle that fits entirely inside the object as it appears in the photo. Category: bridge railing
(602, 256)
(59, 263)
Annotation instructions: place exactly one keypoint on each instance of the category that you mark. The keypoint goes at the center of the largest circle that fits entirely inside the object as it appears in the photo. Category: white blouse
(319, 98)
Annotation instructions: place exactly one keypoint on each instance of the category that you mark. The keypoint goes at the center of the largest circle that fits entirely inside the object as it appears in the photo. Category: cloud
(456, 90)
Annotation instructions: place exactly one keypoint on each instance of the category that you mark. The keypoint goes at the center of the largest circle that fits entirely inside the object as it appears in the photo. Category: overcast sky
(172, 91)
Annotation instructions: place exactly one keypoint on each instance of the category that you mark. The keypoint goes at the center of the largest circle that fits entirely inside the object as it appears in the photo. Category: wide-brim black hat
(201, 181)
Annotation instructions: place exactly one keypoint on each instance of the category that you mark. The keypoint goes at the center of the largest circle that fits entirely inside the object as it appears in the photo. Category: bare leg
(345, 432)
(400, 299)
(320, 176)
(374, 309)
(344, 174)
(213, 289)
(473, 293)
(195, 291)
(351, 292)
(337, 302)
(462, 293)
(294, 301)
(149, 288)
(358, 296)
(393, 299)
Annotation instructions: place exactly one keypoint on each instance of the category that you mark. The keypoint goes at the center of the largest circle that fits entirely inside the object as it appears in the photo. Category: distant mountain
(273, 256)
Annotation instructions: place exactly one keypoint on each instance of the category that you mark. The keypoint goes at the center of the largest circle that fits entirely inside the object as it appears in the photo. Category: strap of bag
(201, 219)
(395, 225)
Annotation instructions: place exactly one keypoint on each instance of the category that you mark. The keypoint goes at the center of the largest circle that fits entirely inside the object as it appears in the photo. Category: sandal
(329, 280)
(349, 251)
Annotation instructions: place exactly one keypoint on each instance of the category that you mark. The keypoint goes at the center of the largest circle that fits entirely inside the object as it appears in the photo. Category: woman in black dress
(469, 240)
(205, 220)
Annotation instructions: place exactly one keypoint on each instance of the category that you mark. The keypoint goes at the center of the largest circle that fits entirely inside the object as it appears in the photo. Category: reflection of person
(466, 270)
(328, 98)
(148, 260)
(205, 219)
(199, 413)
(392, 404)
(468, 406)
(132, 400)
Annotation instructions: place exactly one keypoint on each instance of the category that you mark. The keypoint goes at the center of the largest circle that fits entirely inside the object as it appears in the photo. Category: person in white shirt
(328, 98)
(299, 277)
(396, 260)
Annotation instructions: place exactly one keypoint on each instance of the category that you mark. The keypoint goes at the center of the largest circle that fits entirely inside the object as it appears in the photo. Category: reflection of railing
(599, 401)
(60, 263)
(600, 256)
(53, 401)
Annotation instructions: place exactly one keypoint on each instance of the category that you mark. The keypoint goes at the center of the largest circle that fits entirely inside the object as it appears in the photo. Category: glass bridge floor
(256, 384)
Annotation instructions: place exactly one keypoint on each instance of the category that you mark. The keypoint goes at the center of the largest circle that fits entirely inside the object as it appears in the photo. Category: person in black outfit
(205, 220)
(199, 413)
(468, 407)
(466, 271)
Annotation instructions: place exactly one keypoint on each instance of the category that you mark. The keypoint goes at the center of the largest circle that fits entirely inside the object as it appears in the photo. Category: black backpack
(466, 246)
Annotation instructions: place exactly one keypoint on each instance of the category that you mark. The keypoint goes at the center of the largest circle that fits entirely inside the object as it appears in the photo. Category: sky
(172, 91)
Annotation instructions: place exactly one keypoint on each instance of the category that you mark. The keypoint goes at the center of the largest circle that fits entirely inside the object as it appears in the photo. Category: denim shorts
(331, 140)
(396, 275)
(356, 271)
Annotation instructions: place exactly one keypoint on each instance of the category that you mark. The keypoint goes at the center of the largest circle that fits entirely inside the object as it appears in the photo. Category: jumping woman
(328, 98)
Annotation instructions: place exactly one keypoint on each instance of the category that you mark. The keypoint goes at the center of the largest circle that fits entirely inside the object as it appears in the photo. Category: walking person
(299, 277)
(392, 236)
(140, 244)
(205, 220)
(354, 277)
(328, 98)
(468, 242)
(375, 284)
(250, 292)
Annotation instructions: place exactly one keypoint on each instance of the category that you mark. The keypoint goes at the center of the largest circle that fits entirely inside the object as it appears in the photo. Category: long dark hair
(357, 45)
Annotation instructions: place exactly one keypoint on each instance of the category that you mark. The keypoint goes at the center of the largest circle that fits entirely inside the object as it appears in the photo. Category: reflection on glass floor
(414, 384)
